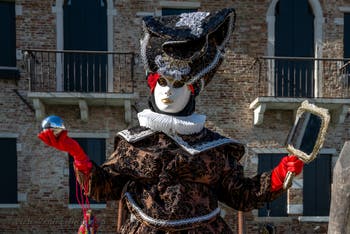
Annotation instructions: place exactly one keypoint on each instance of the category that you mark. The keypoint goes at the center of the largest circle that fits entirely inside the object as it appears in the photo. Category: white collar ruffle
(183, 125)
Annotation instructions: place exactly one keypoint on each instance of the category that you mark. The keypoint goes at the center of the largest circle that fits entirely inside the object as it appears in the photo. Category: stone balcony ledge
(83, 100)
(338, 107)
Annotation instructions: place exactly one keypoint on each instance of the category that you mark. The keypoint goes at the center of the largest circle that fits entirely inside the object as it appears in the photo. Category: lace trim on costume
(174, 127)
(163, 223)
(202, 146)
(184, 125)
(133, 137)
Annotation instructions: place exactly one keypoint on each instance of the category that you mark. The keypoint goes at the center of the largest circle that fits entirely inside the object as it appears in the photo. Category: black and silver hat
(188, 47)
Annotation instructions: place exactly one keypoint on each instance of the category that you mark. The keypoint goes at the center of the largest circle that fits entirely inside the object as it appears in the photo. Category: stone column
(339, 215)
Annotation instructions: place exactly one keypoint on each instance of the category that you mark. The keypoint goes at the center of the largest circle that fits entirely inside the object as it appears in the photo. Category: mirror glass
(304, 134)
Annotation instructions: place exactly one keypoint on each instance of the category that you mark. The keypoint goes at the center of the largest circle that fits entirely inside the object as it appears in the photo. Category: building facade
(80, 60)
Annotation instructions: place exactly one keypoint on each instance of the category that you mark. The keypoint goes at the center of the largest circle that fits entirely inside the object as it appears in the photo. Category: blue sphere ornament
(53, 122)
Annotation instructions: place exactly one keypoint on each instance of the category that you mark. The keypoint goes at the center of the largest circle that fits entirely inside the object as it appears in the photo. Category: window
(294, 37)
(317, 186)
(85, 29)
(95, 148)
(8, 171)
(176, 8)
(277, 207)
(347, 35)
(176, 11)
(346, 69)
(8, 40)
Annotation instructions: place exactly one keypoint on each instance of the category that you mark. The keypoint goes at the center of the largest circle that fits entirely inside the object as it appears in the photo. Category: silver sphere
(53, 122)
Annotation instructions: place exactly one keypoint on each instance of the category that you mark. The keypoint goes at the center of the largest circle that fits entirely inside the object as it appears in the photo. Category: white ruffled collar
(183, 125)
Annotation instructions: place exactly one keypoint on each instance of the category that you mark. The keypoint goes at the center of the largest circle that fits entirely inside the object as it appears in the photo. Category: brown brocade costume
(169, 183)
(170, 172)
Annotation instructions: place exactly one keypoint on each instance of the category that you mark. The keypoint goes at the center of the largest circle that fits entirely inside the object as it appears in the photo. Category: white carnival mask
(171, 95)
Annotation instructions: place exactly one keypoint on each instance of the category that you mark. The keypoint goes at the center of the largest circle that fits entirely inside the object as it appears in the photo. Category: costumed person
(170, 172)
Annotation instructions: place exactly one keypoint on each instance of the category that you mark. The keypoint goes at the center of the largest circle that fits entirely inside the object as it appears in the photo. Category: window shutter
(346, 48)
(277, 207)
(347, 35)
(95, 148)
(85, 28)
(175, 11)
(294, 37)
(317, 186)
(8, 171)
(8, 34)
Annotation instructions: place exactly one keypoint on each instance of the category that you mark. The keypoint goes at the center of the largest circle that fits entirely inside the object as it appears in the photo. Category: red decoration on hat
(152, 80)
(191, 88)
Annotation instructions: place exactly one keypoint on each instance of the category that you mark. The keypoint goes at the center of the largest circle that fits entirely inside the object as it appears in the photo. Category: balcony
(284, 82)
(83, 78)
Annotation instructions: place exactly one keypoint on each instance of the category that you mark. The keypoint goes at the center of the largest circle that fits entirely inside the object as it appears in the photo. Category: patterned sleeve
(103, 183)
(243, 193)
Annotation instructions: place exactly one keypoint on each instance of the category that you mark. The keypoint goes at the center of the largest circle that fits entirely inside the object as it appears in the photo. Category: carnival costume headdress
(188, 47)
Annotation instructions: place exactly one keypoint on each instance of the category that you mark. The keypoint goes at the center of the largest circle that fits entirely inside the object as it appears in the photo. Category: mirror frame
(325, 118)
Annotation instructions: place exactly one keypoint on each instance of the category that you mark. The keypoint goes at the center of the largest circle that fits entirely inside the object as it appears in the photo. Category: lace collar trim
(174, 125)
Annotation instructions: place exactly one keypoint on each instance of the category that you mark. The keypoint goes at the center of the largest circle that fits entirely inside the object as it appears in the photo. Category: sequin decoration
(174, 68)
(193, 21)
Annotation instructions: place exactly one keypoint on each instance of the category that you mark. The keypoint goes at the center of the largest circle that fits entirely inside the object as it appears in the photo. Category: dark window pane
(175, 11)
(85, 28)
(347, 35)
(346, 44)
(277, 207)
(8, 34)
(9, 73)
(8, 171)
(95, 148)
(317, 186)
(294, 37)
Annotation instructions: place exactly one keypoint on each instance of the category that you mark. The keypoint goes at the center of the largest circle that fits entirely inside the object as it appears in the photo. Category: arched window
(276, 18)
(294, 37)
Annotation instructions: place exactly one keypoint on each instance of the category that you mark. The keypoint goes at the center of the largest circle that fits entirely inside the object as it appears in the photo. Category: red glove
(65, 143)
(288, 163)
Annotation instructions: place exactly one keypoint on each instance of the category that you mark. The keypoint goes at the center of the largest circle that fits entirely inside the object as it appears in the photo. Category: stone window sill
(11, 206)
(9, 73)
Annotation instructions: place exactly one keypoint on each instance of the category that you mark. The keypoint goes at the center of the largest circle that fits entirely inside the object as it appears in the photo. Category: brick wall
(42, 173)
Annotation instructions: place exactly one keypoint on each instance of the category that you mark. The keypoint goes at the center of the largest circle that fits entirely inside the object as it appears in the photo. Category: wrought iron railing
(302, 77)
(80, 71)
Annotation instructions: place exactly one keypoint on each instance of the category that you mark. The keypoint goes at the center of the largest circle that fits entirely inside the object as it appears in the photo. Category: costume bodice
(166, 177)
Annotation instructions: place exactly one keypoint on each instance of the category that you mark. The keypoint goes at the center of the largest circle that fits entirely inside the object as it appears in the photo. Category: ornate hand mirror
(307, 135)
